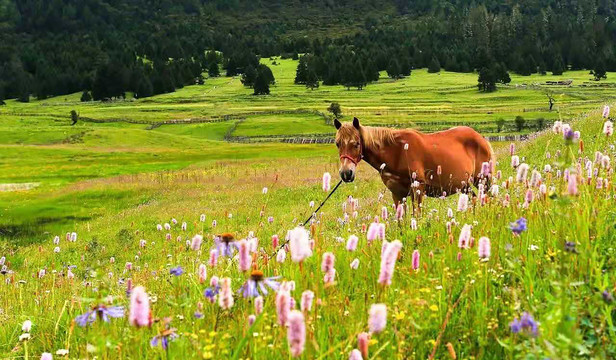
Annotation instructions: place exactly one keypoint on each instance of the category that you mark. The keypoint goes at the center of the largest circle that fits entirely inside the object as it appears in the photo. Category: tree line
(106, 48)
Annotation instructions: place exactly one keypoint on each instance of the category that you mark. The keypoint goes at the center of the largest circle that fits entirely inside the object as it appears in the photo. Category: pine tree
(232, 67)
(558, 68)
(393, 69)
(261, 84)
(312, 82)
(85, 96)
(213, 70)
(144, 88)
(599, 70)
(502, 76)
(487, 80)
(249, 76)
(267, 73)
(302, 72)
(435, 65)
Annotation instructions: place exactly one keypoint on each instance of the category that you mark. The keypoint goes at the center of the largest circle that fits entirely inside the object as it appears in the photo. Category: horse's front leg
(417, 193)
(398, 187)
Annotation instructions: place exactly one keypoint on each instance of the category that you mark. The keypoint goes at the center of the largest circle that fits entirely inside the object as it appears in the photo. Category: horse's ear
(356, 123)
(337, 124)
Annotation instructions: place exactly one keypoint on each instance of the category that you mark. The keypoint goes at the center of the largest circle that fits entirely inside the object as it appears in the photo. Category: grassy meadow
(113, 182)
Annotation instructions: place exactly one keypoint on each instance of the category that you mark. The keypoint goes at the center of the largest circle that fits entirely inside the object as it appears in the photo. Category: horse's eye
(337, 144)
(357, 145)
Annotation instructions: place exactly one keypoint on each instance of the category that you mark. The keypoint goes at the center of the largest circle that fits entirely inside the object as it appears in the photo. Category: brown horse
(415, 164)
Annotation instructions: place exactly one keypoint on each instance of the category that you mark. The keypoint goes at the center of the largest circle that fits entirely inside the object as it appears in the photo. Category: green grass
(113, 182)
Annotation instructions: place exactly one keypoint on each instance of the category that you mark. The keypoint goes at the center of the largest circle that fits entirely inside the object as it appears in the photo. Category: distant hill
(108, 47)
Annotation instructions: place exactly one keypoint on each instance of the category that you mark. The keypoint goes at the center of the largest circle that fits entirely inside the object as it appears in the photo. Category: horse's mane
(372, 137)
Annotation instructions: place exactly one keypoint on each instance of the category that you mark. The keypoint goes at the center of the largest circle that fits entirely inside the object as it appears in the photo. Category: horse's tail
(492, 158)
(492, 162)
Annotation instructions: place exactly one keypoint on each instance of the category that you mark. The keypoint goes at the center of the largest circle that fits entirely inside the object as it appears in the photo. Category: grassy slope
(38, 145)
(561, 289)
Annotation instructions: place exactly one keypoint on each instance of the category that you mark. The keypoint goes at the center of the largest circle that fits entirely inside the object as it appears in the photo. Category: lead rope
(361, 156)
(311, 216)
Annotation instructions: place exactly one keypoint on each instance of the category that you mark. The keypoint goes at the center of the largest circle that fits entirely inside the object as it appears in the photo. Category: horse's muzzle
(347, 175)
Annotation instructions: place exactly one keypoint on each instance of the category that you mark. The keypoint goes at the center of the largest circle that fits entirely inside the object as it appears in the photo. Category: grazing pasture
(545, 292)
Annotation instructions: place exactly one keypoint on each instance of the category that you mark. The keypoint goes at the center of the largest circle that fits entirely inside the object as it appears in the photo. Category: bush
(85, 96)
(519, 123)
(500, 124)
(540, 123)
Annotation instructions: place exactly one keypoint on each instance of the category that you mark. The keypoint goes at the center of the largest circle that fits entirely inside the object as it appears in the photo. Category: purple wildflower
(607, 296)
(226, 245)
(164, 337)
(211, 292)
(257, 281)
(570, 247)
(526, 323)
(100, 312)
(176, 271)
(518, 226)
(515, 326)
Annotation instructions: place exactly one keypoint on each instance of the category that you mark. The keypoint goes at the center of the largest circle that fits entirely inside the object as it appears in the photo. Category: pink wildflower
(465, 237)
(326, 182)
(463, 202)
(225, 296)
(281, 256)
(328, 262)
(351, 244)
(139, 314)
(378, 318)
(296, 333)
(415, 259)
(196, 242)
(388, 262)
(275, 241)
(483, 249)
(572, 185)
(244, 258)
(363, 340)
(399, 211)
(306, 300)
(202, 273)
(299, 244)
(355, 355)
(213, 258)
(259, 305)
(283, 304)
(384, 214)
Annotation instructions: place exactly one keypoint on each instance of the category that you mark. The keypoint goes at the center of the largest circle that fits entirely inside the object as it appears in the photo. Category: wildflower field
(167, 244)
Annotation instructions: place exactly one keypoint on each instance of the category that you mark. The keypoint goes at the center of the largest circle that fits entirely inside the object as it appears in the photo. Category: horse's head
(350, 148)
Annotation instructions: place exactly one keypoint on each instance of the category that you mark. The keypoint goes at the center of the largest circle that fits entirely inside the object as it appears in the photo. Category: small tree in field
(500, 123)
(74, 117)
(599, 70)
(249, 76)
(85, 96)
(335, 109)
(261, 84)
(487, 80)
(519, 123)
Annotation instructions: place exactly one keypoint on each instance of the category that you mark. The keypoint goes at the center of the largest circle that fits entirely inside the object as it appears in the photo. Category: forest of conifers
(105, 48)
